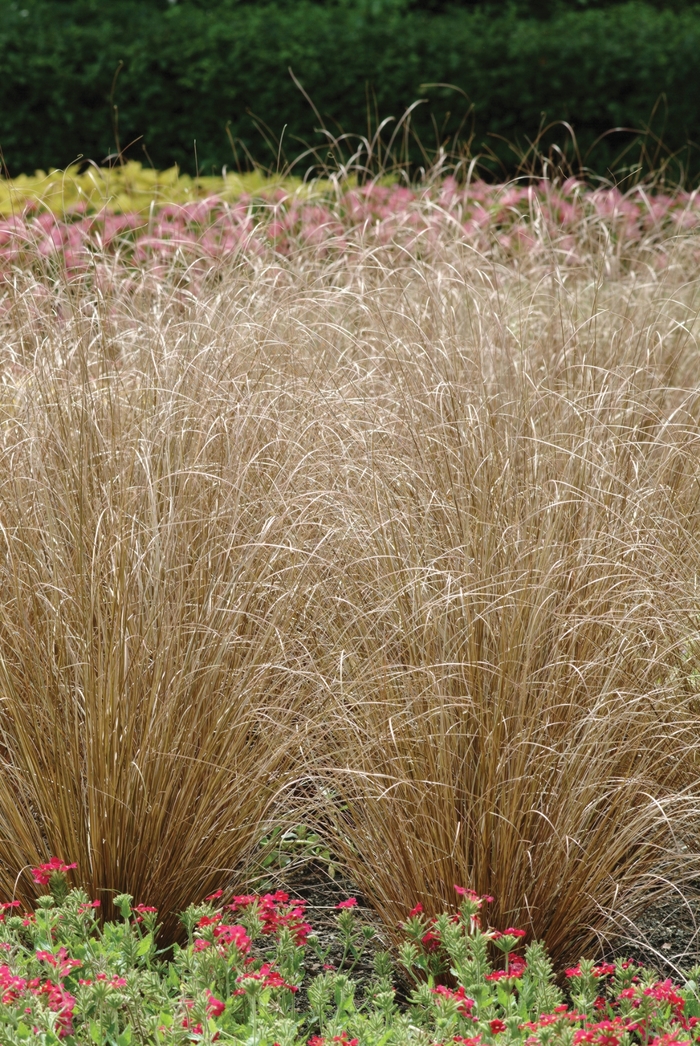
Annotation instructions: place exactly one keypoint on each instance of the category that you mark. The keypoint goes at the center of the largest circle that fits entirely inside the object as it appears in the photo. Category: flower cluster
(275, 912)
(513, 218)
(42, 874)
(65, 977)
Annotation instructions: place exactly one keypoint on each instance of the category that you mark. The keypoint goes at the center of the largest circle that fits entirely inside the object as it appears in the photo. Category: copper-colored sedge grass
(415, 529)
(515, 622)
(152, 673)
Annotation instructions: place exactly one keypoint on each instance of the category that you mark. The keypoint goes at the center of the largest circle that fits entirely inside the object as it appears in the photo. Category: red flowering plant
(242, 977)
(53, 875)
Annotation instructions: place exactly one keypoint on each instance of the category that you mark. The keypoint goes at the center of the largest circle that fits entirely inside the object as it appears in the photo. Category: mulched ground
(666, 938)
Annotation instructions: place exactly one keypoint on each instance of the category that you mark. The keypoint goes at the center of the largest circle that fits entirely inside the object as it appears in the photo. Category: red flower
(242, 900)
(416, 910)
(430, 941)
(496, 1026)
(472, 895)
(350, 903)
(209, 920)
(465, 1005)
(215, 1007)
(665, 991)
(235, 935)
(215, 896)
(269, 977)
(43, 873)
(87, 906)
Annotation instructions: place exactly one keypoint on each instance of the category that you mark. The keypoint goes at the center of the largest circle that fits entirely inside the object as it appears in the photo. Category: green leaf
(145, 945)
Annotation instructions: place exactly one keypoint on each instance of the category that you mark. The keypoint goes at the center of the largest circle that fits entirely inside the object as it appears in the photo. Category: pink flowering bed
(512, 218)
(239, 976)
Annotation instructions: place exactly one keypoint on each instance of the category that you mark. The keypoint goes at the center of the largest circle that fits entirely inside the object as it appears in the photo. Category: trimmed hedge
(189, 71)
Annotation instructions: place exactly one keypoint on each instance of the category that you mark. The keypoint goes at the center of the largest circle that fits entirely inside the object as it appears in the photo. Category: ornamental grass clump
(510, 703)
(395, 530)
(152, 670)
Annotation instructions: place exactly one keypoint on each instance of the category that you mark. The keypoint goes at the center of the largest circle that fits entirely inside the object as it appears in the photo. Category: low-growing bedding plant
(78, 237)
(239, 976)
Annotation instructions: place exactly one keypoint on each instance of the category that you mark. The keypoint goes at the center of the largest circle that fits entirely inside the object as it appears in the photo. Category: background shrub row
(191, 70)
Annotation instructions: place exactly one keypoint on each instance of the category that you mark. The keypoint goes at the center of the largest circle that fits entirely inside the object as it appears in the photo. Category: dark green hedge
(190, 69)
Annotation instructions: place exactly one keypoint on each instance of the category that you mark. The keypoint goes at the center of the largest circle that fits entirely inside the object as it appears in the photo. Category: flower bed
(78, 231)
(239, 976)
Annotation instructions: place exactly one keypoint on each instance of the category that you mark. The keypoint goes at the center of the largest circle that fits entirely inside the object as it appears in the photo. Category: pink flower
(350, 903)
(87, 906)
(215, 1007)
(472, 895)
(215, 896)
(59, 960)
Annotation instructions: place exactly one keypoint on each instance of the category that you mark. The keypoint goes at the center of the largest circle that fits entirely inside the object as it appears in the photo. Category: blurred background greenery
(206, 83)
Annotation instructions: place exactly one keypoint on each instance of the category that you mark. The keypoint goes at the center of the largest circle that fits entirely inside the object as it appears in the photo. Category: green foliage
(241, 978)
(218, 73)
(293, 846)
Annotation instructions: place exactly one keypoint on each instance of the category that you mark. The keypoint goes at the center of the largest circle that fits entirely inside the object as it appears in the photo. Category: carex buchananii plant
(399, 525)
(511, 662)
(153, 672)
